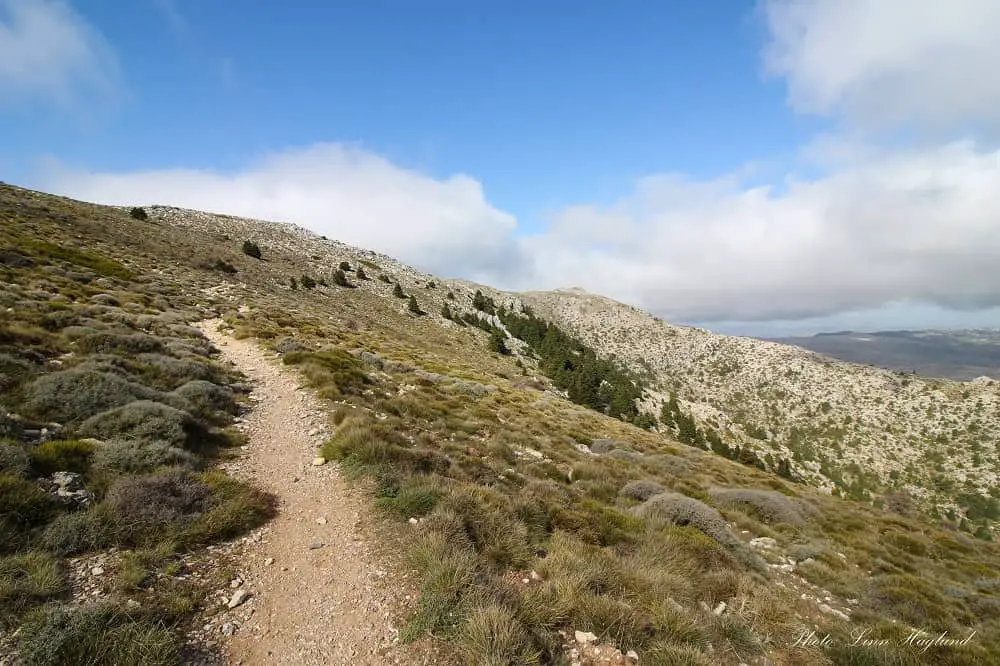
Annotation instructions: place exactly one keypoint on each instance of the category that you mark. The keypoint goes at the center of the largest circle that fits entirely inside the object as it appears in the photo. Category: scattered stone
(829, 610)
(414, 521)
(239, 597)
(720, 608)
(632, 657)
(269, 561)
(584, 637)
(321, 521)
(235, 583)
(319, 461)
(97, 571)
(228, 629)
(316, 546)
(763, 543)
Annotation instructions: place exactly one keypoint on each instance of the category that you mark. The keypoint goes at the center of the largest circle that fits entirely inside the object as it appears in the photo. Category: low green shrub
(147, 422)
(135, 457)
(61, 456)
(24, 506)
(97, 634)
(148, 506)
(769, 506)
(207, 400)
(641, 490)
(14, 371)
(74, 395)
(81, 531)
(233, 508)
(113, 343)
(14, 460)
(676, 509)
(26, 580)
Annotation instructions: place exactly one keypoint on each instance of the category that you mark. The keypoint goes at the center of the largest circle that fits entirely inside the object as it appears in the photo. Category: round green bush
(133, 457)
(14, 460)
(73, 395)
(146, 422)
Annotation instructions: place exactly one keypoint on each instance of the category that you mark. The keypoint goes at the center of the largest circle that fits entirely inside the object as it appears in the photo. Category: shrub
(232, 509)
(397, 291)
(61, 456)
(206, 399)
(81, 531)
(146, 422)
(113, 343)
(223, 266)
(26, 580)
(23, 507)
(641, 490)
(769, 506)
(498, 342)
(13, 371)
(446, 311)
(96, 634)
(307, 282)
(414, 498)
(340, 279)
(251, 249)
(361, 273)
(413, 306)
(138, 213)
(149, 505)
(167, 373)
(493, 636)
(293, 283)
(385, 278)
(333, 373)
(14, 459)
(73, 395)
(344, 266)
(677, 509)
(131, 457)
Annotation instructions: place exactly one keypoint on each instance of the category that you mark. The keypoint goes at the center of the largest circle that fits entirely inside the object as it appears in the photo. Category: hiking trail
(317, 592)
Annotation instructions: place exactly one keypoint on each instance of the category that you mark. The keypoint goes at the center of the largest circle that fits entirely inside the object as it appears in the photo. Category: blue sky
(719, 162)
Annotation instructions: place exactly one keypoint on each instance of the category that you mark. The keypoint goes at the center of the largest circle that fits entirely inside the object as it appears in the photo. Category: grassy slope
(504, 489)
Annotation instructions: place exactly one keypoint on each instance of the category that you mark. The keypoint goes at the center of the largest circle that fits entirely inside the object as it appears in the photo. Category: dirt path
(317, 593)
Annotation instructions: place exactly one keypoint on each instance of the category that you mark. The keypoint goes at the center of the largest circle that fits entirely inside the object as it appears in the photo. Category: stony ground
(313, 588)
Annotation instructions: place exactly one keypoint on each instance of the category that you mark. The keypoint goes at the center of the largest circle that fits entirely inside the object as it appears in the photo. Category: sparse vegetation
(138, 213)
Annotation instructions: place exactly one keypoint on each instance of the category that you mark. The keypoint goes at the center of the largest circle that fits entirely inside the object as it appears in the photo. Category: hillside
(853, 429)
(958, 355)
(520, 522)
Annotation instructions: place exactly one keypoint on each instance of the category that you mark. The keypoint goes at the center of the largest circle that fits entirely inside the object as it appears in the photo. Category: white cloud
(883, 62)
(443, 226)
(919, 226)
(48, 51)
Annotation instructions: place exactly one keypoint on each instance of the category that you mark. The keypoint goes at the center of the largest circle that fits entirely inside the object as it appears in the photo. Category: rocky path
(316, 592)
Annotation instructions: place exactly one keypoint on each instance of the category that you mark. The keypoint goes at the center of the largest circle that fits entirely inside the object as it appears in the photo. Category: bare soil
(321, 590)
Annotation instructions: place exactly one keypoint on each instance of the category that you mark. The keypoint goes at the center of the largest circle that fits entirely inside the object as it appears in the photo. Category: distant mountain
(961, 355)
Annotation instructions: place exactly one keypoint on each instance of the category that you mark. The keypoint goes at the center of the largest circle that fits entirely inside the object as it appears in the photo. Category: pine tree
(361, 274)
(344, 266)
(340, 279)
(498, 342)
(397, 291)
(446, 311)
(413, 306)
